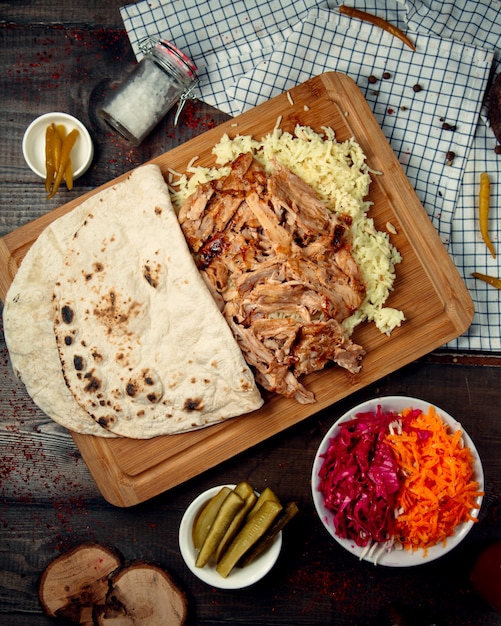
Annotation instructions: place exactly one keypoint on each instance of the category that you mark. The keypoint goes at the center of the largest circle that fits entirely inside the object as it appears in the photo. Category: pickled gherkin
(254, 528)
(235, 525)
(227, 511)
(206, 517)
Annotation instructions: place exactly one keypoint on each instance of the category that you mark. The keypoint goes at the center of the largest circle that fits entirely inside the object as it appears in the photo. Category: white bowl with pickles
(34, 143)
(231, 536)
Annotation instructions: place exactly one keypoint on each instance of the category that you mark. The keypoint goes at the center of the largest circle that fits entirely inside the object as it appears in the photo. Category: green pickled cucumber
(255, 526)
(206, 517)
(282, 519)
(226, 513)
(266, 494)
(235, 525)
(244, 490)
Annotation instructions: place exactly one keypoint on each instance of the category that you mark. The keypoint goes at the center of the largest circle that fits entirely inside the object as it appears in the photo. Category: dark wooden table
(62, 56)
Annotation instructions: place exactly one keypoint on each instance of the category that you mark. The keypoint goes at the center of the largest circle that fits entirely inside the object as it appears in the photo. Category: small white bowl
(238, 577)
(394, 557)
(34, 143)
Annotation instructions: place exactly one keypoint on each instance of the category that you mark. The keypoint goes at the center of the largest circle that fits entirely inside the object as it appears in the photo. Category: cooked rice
(339, 174)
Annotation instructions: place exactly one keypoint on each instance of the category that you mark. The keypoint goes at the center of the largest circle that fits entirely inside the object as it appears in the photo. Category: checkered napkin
(248, 51)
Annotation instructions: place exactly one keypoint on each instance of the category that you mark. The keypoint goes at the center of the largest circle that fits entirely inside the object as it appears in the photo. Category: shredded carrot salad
(438, 491)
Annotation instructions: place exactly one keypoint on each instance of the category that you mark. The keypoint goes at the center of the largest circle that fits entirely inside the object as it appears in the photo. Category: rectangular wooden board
(428, 289)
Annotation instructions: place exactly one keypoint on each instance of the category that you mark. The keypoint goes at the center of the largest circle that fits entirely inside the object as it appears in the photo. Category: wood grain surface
(60, 56)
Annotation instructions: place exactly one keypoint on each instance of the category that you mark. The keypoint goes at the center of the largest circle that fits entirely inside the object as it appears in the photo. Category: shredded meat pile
(278, 264)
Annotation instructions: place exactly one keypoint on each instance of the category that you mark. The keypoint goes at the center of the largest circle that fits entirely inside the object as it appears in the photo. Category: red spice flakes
(191, 117)
(64, 531)
(323, 581)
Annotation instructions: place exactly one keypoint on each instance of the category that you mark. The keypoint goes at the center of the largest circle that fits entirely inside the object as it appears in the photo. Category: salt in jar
(158, 81)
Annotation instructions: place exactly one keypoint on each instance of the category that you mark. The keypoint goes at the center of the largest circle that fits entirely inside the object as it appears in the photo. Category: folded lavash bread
(141, 344)
(28, 321)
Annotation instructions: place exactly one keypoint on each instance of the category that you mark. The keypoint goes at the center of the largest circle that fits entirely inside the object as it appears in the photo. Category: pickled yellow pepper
(66, 148)
(68, 173)
(50, 164)
(56, 151)
(490, 280)
(483, 211)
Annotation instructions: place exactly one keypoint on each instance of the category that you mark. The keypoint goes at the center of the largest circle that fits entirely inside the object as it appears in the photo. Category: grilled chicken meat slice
(280, 267)
(269, 372)
(306, 212)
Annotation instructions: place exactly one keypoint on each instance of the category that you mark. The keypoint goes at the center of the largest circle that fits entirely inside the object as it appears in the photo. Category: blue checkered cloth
(248, 51)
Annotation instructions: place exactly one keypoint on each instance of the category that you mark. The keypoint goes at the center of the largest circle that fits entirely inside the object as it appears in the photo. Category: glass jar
(153, 87)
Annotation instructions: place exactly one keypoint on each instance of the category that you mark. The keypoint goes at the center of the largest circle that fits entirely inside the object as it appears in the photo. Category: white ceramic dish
(395, 557)
(34, 143)
(239, 577)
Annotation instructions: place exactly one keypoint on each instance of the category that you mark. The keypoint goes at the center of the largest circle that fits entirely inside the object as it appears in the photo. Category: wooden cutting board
(428, 289)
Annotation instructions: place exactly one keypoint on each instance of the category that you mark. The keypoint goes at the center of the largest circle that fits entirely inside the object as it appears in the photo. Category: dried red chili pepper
(377, 21)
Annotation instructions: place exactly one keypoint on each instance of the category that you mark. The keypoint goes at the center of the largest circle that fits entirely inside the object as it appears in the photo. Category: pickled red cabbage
(359, 479)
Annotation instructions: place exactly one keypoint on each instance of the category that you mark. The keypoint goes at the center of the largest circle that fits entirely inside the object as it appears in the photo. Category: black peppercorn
(417, 88)
(386, 75)
(372, 79)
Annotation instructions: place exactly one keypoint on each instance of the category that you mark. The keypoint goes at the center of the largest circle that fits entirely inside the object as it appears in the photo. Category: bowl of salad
(397, 481)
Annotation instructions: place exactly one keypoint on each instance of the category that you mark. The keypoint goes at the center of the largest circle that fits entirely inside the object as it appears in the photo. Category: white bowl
(238, 577)
(394, 557)
(34, 143)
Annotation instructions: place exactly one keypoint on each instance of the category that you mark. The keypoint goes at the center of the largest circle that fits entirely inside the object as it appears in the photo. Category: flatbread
(144, 349)
(28, 316)
(29, 325)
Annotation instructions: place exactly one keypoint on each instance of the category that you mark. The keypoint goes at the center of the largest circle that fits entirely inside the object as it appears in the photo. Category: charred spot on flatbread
(114, 311)
(67, 314)
(193, 404)
(244, 384)
(96, 355)
(92, 383)
(145, 387)
(105, 421)
(78, 362)
(131, 389)
(151, 273)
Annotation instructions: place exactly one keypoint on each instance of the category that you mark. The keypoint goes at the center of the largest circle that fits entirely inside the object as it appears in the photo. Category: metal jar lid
(171, 57)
